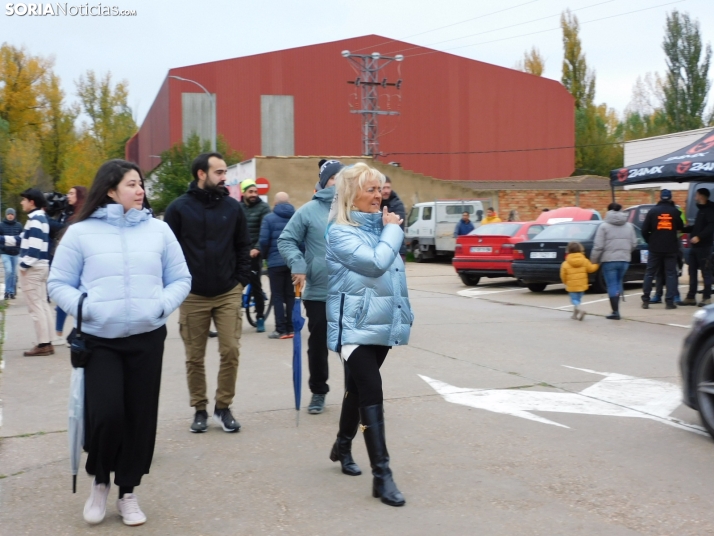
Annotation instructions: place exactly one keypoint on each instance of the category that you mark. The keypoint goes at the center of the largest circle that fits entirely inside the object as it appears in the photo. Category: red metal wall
(448, 104)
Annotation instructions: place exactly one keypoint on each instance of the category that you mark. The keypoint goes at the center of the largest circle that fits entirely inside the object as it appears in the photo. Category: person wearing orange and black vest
(659, 230)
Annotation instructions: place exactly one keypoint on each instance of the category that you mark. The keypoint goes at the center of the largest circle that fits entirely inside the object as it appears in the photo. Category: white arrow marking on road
(616, 395)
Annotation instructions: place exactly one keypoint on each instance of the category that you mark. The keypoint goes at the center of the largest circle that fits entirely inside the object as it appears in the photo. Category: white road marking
(596, 301)
(475, 293)
(616, 395)
(679, 326)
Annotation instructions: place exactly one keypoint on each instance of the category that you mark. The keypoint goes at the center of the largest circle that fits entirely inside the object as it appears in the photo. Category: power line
(675, 135)
(544, 31)
(447, 26)
(502, 28)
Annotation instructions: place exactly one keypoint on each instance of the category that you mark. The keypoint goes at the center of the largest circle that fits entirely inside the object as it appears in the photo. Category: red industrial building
(447, 104)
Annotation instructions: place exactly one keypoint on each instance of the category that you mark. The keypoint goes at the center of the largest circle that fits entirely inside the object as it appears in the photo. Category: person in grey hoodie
(614, 241)
(309, 270)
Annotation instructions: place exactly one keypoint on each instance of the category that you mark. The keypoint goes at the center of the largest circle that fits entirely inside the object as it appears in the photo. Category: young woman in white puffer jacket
(134, 274)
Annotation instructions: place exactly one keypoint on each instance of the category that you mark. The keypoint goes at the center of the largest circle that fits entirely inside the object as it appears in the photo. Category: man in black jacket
(700, 255)
(391, 200)
(659, 230)
(255, 210)
(212, 231)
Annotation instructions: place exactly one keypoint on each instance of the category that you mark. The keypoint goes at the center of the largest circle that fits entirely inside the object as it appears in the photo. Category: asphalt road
(504, 416)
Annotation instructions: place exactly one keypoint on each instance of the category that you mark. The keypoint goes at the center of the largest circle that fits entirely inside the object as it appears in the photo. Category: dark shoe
(615, 304)
(260, 325)
(656, 299)
(12, 296)
(7, 296)
(688, 301)
(212, 334)
(200, 422)
(40, 351)
(276, 335)
(383, 485)
(342, 449)
(291, 335)
(287, 335)
(317, 404)
(705, 302)
(670, 305)
(224, 417)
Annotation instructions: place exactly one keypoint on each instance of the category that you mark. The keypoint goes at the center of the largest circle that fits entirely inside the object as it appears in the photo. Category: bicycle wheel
(249, 305)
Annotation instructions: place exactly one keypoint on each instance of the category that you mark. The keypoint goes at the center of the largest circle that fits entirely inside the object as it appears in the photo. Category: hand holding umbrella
(298, 323)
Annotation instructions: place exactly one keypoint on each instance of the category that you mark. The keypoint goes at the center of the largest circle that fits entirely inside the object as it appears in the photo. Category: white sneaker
(129, 510)
(59, 342)
(96, 506)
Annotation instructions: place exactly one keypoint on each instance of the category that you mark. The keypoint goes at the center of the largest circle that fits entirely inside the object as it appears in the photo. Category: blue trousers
(614, 273)
(9, 263)
(576, 298)
(61, 317)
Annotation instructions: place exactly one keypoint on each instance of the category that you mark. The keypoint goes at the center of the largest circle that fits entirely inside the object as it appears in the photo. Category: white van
(430, 226)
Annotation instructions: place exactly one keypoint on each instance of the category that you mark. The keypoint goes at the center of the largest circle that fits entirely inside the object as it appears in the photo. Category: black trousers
(700, 259)
(317, 346)
(122, 381)
(256, 286)
(362, 374)
(283, 295)
(655, 263)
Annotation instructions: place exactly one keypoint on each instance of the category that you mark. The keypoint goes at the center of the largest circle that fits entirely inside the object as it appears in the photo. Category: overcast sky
(174, 33)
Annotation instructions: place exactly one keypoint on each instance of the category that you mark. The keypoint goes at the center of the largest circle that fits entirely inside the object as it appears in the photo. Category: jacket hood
(284, 210)
(616, 217)
(114, 215)
(325, 195)
(576, 260)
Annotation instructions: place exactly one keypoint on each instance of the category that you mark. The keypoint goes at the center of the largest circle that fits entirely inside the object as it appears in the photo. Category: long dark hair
(108, 177)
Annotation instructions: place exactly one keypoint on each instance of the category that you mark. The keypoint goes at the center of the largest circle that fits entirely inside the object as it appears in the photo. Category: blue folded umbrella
(298, 323)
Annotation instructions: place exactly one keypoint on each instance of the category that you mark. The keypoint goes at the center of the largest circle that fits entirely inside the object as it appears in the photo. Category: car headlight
(698, 318)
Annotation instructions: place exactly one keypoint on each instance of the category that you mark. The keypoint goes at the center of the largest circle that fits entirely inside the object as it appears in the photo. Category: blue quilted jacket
(131, 267)
(367, 299)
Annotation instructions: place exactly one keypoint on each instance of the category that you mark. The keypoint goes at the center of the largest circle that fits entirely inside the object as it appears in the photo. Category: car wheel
(537, 287)
(704, 384)
(469, 280)
(599, 286)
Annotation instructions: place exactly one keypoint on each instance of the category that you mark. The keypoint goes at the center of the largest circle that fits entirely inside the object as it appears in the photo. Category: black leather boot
(615, 304)
(383, 485)
(349, 422)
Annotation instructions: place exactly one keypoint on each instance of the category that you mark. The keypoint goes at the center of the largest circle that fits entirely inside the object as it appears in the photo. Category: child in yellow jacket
(574, 274)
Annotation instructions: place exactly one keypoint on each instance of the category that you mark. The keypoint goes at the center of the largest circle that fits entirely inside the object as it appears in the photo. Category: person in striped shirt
(34, 242)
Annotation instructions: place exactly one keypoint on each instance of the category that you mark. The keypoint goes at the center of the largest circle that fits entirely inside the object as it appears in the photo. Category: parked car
(696, 363)
(537, 261)
(636, 214)
(563, 214)
(488, 250)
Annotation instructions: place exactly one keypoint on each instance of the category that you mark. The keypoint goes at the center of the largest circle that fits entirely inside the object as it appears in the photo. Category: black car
(537, 261)
(696, 363)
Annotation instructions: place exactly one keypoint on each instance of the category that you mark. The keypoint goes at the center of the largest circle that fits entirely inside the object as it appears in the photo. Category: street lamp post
(213, 108)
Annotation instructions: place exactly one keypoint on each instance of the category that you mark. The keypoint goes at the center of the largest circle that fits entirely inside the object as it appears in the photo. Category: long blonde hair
(348, 183)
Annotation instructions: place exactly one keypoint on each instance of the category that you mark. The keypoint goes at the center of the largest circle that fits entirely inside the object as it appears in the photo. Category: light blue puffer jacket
(131, 267)
(367, 299)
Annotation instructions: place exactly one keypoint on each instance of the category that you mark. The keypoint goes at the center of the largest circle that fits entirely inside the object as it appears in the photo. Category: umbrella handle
(298, 291)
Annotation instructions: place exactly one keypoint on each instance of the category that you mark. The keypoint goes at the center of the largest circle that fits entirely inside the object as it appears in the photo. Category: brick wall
(530, 203)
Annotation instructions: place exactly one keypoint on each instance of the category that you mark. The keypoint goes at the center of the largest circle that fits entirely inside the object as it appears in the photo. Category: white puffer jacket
(131, 267)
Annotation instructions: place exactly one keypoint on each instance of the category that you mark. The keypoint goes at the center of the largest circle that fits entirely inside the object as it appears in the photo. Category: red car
(488, 250)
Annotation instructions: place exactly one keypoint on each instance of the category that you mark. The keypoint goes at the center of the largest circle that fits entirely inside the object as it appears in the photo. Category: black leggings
(362, 374)
(122, 380)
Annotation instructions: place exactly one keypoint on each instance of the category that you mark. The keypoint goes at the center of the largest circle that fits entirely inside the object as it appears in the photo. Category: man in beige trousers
(211, 228)
(34, 244)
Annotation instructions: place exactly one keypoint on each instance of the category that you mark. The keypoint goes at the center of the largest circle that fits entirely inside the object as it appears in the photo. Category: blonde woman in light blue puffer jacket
(134, 274)
(368, 312)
